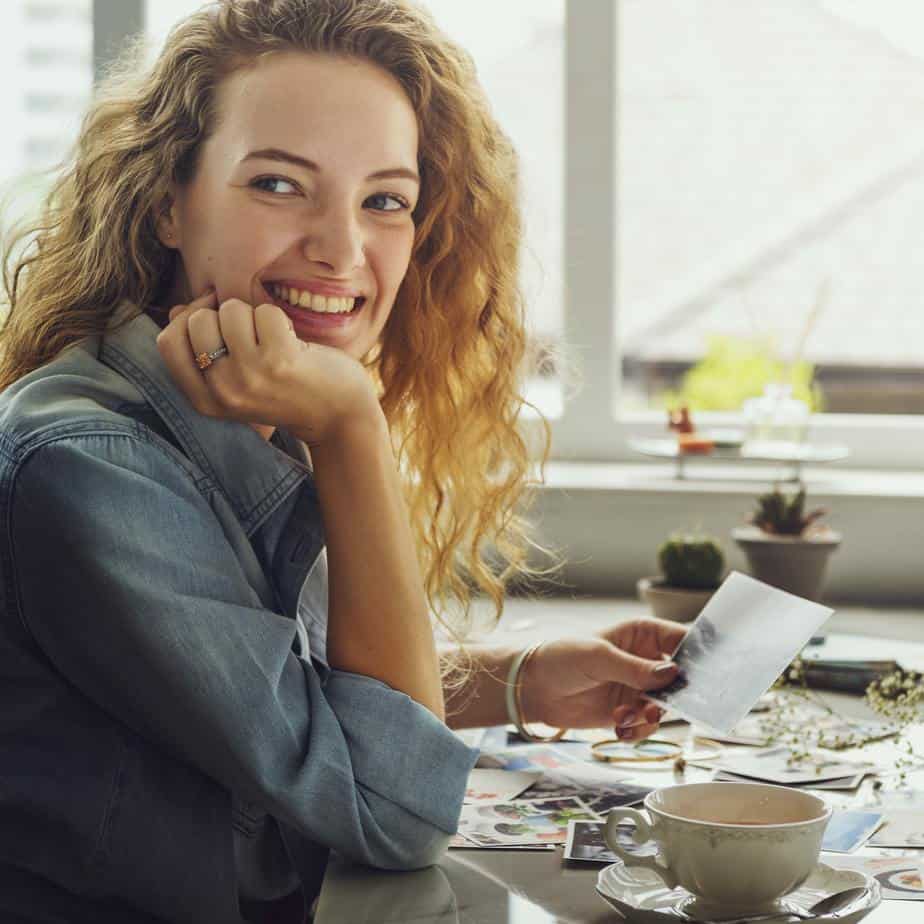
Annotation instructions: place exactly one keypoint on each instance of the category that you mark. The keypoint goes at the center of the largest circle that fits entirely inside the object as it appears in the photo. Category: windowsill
(607, 521)
(706, 478)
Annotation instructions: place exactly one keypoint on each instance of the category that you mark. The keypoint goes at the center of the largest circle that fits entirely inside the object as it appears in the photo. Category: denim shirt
(168, 743)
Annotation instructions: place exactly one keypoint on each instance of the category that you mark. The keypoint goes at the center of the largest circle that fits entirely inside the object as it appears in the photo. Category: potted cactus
(785, 546)
(692, 566)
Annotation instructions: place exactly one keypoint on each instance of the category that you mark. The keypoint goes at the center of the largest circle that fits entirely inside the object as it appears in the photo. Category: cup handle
(641, 835)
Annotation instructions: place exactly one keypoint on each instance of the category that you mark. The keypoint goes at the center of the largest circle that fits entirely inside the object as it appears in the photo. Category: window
(743, 169)
(761, 161)
(771, 177)
(520, 62)
(46, 70)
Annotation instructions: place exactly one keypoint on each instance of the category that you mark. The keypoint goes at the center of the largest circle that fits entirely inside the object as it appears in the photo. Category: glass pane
(772, 201)
(46, 70)
(160, 16)
(518, 48)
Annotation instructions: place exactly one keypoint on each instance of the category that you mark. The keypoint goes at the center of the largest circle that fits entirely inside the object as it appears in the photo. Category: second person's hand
(268, 375)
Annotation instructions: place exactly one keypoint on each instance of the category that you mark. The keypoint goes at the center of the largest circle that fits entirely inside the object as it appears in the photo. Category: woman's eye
(271, 184)
(379, 202)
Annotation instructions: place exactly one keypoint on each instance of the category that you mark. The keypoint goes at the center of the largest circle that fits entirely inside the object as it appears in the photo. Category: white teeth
(328, 304)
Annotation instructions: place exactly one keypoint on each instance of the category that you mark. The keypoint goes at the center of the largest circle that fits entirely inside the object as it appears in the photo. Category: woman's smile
(314, 315)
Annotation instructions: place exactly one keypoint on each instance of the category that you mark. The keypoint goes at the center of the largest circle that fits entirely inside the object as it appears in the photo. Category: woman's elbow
(408, 851)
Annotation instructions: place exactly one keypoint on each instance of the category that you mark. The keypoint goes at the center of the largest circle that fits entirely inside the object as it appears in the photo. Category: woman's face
(303, 197)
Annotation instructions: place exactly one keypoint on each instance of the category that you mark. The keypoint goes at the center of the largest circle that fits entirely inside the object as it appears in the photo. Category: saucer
(639, 895)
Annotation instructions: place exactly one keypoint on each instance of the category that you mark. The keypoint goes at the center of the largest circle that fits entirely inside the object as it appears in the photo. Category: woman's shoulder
(74, 393)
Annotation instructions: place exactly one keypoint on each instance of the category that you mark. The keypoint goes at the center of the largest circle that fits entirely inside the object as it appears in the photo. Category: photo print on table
(587, 843)
(847, 830)
(901, 878)
(512, 823)
(900, 828)
(488, 785)
(540, 757)
(778, 765)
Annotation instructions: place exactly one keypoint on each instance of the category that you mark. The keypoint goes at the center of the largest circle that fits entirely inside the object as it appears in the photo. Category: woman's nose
(337, 242)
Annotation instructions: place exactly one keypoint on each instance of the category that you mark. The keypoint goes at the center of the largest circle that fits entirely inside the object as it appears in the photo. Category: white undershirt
(311, 619)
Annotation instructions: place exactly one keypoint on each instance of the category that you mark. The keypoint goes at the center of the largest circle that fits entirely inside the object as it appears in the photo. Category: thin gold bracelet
(515, 701)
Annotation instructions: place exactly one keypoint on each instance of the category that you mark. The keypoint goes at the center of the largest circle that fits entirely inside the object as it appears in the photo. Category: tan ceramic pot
(674, 603)
(793, 563)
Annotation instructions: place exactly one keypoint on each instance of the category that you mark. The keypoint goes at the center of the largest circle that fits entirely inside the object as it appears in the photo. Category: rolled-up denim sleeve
(130, 585)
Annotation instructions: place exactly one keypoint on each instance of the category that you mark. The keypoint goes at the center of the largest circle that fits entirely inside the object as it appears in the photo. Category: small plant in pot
(692, 566)
(785, 546)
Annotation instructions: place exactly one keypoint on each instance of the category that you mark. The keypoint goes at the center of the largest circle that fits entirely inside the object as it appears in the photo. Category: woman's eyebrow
(288, 157)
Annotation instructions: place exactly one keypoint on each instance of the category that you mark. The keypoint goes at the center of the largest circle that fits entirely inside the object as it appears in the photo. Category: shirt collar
(254, 475)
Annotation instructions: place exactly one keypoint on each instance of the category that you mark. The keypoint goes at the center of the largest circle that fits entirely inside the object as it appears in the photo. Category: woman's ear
(168, 232)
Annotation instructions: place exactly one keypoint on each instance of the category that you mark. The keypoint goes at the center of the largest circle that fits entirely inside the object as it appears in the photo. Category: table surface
(538, 887)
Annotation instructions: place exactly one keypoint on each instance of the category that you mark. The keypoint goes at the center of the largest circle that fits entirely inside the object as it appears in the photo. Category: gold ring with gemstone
(204, 360)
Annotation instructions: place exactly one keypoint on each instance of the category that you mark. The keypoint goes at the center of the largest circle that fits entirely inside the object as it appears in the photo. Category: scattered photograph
(844, 784)
(495, 738)
(604, 803)
(901, 878)
(488, 785)
(900, 828)
(739, 644)
(586, 842)
(576, 778)
(541, 757)
(847, 830)
(777, 765)
(508, 823)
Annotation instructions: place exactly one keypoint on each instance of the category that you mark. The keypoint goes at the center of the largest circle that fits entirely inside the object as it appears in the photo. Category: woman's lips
(309, 321)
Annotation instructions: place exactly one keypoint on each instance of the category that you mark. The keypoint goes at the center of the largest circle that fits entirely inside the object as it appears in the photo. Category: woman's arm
(574, 682)
(378, 623)
(480, 702)
(378, 620)
(152, 616)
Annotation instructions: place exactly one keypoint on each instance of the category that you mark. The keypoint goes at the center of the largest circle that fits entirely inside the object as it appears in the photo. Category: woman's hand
(594, 682)
(268, 376)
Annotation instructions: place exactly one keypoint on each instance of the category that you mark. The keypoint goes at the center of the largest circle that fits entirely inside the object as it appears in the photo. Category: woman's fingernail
(663, 668)
(624, 733)
(628, 719)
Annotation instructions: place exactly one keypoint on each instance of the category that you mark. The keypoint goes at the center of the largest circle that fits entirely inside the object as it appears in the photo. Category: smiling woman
(260, 429)
(295, 211)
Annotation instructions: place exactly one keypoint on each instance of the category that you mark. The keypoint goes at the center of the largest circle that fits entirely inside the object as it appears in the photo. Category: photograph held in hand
(739, 644)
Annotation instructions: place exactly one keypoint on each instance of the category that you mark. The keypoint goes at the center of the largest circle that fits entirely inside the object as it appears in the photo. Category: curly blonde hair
(450, 364)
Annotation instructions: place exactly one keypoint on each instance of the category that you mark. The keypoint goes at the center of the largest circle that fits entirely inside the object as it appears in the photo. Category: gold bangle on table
(653, 750)
(515, 701)
(646, 751)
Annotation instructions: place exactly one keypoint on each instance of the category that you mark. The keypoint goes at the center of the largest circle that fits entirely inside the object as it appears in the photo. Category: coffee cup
(739, 846)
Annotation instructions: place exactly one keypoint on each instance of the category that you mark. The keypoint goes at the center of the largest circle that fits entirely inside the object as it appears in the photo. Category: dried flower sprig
(897, 697)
